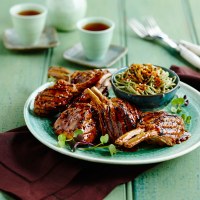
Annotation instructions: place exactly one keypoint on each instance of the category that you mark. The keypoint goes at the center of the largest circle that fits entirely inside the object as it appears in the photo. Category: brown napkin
(31, 171)
(188, 76)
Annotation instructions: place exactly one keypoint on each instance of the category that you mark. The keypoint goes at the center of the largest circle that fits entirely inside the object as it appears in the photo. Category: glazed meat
(80, 116)
(83, 76)
(58, 73)
(82, 103)
(158, 128)
(116, 116)
(103, 83)
(56, 98)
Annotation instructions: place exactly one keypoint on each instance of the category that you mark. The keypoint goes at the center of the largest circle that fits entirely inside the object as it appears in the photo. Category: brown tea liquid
(29, 12)
(96, 27)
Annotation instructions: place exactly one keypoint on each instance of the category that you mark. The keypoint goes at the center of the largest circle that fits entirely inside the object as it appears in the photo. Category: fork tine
(151, 31)
(151, 21)
(137, 27)
(152, 25)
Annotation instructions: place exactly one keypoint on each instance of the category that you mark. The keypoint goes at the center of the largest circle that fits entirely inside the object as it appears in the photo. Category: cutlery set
(150, 30)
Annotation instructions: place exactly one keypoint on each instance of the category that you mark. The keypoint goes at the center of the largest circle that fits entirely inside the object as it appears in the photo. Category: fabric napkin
(188, 75)
(31, 171)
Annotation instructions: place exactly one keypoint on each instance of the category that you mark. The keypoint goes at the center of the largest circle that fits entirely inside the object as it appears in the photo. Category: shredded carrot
(144, 79)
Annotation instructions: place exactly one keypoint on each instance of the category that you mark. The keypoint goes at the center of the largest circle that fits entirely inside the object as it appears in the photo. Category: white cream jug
(64, 14)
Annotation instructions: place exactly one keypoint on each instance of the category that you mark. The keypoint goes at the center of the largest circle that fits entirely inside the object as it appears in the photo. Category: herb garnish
(76, 140)
(177, 107)
(52, 79)
(104, 144)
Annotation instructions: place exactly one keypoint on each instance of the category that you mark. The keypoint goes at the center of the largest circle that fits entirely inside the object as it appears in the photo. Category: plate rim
(101, 160)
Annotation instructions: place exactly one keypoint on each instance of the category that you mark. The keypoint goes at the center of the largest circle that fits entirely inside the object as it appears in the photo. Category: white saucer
(75, 54)
(48, 39)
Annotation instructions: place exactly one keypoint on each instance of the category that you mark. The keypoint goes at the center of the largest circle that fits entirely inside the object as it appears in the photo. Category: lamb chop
(93, 114)
(80, 116)
(58, 72)
(56, 98)
(116, 116)
(155, 127)
(103, 84)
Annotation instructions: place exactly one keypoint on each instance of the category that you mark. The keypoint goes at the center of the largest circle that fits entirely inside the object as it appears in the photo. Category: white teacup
(95, 35)
(28, 21)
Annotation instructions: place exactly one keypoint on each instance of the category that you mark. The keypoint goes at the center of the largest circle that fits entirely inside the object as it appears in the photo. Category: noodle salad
(144, 79)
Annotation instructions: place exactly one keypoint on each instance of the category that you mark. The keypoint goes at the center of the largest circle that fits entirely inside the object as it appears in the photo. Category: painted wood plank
(178, 178)
(175, 179)
(171, 17)
(193, 9)
(20, 74)
(24, 72)
(68, 39)
(119, 193)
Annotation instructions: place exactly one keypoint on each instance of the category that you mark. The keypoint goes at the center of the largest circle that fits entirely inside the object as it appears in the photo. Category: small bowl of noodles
(147, 86)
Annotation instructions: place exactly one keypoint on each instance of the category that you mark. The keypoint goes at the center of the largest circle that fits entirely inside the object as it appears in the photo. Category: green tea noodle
(144, 79)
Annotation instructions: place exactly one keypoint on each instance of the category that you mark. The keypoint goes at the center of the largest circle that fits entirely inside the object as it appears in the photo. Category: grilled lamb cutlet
(82, 76)
(103, 84)
(80, 116)
(56, 98)
(116, 116)
(158, 128)
(58, 73)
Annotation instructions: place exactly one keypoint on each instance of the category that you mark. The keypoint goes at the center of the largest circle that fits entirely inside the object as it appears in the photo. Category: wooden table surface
(21, 73)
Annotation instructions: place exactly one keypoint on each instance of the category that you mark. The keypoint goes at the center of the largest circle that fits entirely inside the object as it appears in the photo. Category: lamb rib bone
(116, 116)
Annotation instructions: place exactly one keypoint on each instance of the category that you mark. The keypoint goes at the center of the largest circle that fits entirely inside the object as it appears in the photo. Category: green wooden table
(21, 73)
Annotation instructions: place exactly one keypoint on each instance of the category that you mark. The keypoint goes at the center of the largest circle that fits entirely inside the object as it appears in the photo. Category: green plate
(41, 128)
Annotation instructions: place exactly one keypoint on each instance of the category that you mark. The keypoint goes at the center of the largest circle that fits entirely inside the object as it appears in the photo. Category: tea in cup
(28, 21)
(95, 36)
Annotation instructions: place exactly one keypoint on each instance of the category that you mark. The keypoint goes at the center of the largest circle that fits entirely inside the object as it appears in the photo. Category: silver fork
(154, 31)
(151, 31)
(139, 29)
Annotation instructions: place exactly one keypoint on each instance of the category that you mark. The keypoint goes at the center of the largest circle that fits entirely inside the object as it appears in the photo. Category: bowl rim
(151, 95)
